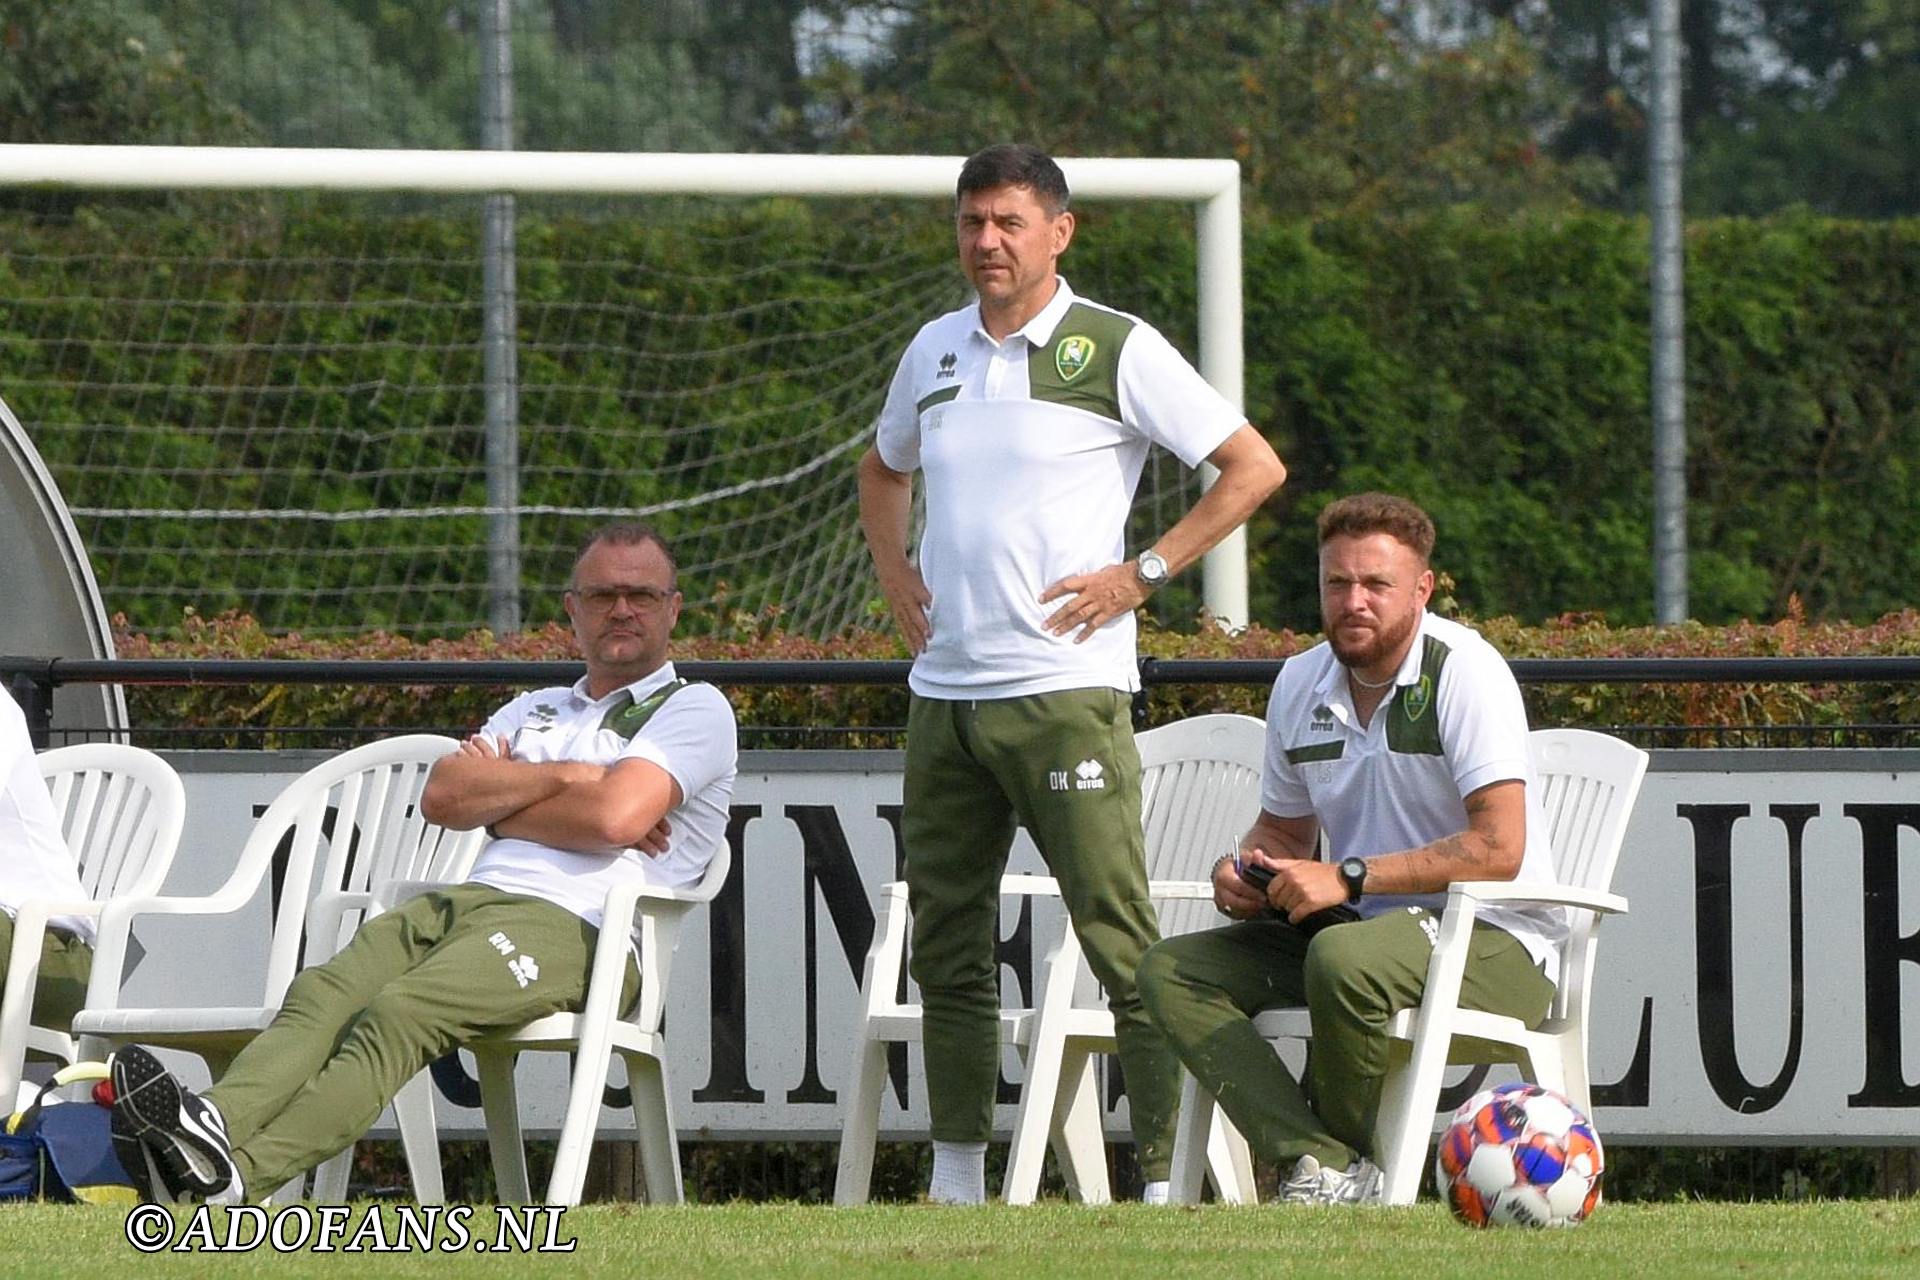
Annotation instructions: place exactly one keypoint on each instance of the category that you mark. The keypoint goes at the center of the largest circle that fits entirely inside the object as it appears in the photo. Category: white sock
(1155, 1192)
(959, 1173)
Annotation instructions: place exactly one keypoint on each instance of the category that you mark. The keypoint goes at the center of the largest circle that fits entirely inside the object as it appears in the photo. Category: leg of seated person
(65, 965)
(1203, 990)
(506, 961)
(320, 1005)
(1359, 975)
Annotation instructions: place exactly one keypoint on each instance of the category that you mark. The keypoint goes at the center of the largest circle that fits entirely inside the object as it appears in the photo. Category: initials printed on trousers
(1088, 775)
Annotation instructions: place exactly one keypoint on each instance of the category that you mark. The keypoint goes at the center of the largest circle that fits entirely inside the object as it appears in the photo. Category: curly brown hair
(1360, 514)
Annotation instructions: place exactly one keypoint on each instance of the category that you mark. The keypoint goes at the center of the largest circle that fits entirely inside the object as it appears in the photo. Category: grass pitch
(1842, 1238)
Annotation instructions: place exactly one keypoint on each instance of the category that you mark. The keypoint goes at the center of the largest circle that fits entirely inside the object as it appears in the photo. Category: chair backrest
(1199, 792)
(349, 825)
(1588, 783)
(121, 810)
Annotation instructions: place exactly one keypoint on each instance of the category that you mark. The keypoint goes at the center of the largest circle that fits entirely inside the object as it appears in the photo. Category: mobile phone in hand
(1257, 876)
(1260, 877)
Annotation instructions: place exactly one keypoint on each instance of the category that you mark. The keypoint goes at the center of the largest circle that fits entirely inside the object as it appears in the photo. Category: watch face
(1151, 568)
(1353, 871)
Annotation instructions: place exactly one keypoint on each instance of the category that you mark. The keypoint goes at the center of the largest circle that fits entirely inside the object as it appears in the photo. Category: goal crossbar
(1213, 186)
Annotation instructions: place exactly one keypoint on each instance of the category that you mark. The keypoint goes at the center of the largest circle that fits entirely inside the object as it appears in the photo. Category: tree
(1783, 102)
(1833, 127)
(94, 71)
(1334, 105)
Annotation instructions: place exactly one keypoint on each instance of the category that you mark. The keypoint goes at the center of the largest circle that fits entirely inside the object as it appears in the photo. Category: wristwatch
(1353, 874)
(1152, 568)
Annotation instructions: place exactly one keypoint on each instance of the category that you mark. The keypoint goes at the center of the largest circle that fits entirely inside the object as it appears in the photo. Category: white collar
(1333, 681)
(1039, 330)
(654, 680)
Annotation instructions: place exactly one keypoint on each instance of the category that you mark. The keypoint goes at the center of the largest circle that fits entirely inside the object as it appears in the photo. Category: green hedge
(289, 715)
(1494, 368)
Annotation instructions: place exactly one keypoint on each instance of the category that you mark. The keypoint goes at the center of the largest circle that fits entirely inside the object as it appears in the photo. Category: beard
(1379, 644)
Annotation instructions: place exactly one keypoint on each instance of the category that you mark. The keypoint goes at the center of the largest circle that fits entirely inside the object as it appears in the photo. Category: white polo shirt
(691, 735)
(1032, 449)
(34, 859)
(1452, 723)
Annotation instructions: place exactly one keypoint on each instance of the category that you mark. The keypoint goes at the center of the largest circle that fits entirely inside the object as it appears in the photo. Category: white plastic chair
(121, 810)
(1588, 783)
(1200, 789)
(329, 886)
(646, 919)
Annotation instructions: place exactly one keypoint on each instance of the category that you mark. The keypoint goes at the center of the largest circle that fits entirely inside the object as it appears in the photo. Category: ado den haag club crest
(1073, 355)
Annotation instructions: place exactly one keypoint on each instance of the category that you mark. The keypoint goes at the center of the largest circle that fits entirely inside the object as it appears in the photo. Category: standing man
(36, 864)
(1030, 413)
(627, 773)
(1402, 737)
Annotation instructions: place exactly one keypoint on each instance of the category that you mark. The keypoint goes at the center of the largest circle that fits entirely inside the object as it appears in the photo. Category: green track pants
(65, 965)
(1204, 988)
(413, 984)
(1064, 766)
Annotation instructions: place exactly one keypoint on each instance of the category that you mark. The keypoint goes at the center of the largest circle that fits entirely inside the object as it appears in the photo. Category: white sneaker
(1310, 1183)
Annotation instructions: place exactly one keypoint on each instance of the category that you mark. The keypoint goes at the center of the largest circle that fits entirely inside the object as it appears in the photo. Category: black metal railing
(33, 680)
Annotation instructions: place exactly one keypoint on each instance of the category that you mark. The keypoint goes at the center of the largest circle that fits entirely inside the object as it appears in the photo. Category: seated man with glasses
(626, 773)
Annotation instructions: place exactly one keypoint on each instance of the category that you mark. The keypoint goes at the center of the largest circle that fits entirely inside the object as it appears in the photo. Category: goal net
(277, 401)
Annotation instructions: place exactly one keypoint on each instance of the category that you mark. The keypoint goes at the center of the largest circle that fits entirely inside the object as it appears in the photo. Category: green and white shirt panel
(691, 734)
(1453, 723)
(1031, 450)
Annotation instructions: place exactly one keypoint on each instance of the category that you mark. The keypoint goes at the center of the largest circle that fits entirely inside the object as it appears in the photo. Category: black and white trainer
(180, 1133)
(138, 1161)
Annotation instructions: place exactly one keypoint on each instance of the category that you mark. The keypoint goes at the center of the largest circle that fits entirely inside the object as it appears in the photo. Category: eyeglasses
(602, 599)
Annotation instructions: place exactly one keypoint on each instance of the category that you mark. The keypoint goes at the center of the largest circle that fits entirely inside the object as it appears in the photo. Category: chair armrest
(1013, 884)
(886, 954)
(654, 913)
(1180, 889)
(1023, 885)
(660, 893)
(1533, 894)
(44, 909)
(629, 899)
(116, 924)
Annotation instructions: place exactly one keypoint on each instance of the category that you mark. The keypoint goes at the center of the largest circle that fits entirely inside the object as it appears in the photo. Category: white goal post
(1213, 186)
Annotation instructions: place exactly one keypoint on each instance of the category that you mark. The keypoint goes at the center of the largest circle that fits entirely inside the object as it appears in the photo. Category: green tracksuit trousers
(1064, 766)
(1204, 988)
(413, 984)
(65, 965)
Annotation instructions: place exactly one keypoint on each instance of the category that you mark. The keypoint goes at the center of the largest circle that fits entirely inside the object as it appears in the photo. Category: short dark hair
(1015, 164)
(627, 533)
(1365, 513)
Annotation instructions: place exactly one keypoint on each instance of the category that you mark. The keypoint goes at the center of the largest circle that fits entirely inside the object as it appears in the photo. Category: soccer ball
(1519, 1154)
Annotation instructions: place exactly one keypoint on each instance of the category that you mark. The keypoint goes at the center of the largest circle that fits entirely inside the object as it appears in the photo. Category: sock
(959, 1173)
(1155, 1192)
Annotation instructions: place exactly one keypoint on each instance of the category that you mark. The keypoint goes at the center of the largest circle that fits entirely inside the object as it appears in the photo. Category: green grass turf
(1841, 1238)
